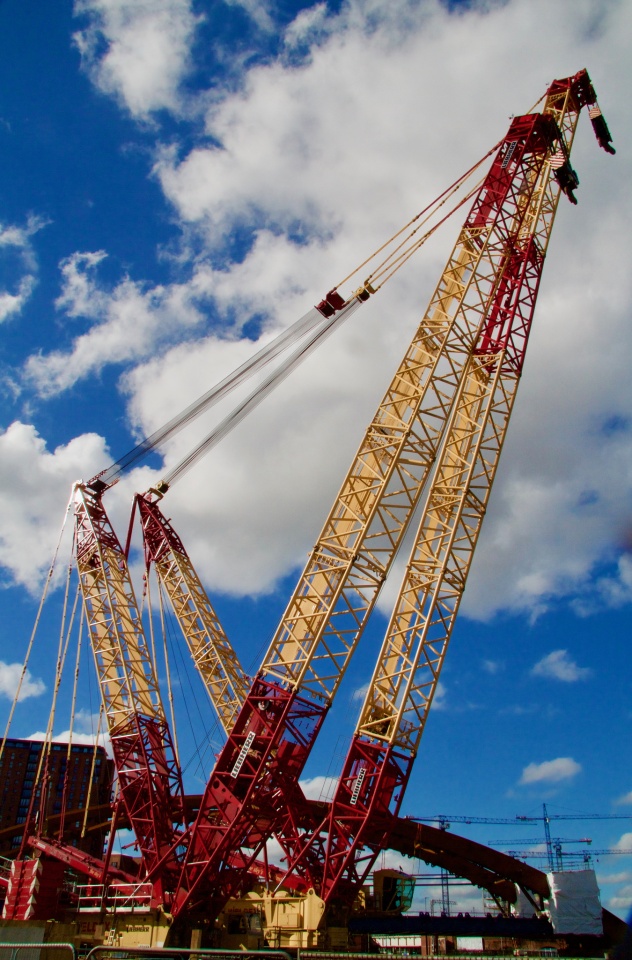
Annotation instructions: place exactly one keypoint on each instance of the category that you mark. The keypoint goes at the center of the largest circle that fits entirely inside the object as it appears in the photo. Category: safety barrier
(166, 953)
(37, 951)
(130, 897)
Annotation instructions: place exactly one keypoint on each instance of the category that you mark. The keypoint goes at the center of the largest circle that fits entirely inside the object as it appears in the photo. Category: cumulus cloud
(625, 799)
(10, 675)
(281, 156)
(558, 665)
(315, 162)
(319, 788)
(129, 323)
(35, 483)
(624, 842)
(137, 50)
(550, 771)
(18, 258)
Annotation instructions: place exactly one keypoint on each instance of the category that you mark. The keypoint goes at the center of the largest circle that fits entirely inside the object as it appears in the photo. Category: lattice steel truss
(454, 386)
(213, 655)
(149, 779)
(333, 856)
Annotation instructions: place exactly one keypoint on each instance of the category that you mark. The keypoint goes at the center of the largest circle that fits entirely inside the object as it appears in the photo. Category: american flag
(594, 111)
(558, 159)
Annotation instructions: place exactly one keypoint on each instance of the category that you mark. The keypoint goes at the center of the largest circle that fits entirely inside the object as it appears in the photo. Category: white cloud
(318, 162)
(440, 696)
(550, 771)
(137, 50)
(10, 674)
(492, 666)
(625, 799)
(624, 842)
(297, 154)
(34, 489)
(558, 665)
(258, 10)
(624, 876)
(621, 903)
(86, 739)
(16, 242)
(130, 323)
(360, 692)
(319, 788)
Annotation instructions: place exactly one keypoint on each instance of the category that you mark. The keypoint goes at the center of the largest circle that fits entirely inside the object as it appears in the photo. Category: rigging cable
(167, 666)
(303, 327)
(29, 648)
(64, 796)
(255, 398)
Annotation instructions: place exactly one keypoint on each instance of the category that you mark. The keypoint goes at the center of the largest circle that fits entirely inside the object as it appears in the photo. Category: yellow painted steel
(351, 559)
(217, 663)
(126, 673)
(408, 668)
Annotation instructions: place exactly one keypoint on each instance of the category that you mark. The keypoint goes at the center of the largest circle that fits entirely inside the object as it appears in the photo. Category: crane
(396, 706)
(438, 430)
(449, 402)
(553, 846)
(109, 598)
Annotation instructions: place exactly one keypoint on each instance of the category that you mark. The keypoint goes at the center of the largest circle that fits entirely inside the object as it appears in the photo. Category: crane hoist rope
(313, 324)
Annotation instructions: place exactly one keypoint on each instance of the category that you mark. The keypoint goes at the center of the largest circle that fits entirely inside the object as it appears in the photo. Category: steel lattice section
(150, 782)
(339, 587)
(378, 765)
(216, 661)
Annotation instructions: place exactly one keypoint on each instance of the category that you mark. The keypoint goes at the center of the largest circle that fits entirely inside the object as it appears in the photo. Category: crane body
(432, 448)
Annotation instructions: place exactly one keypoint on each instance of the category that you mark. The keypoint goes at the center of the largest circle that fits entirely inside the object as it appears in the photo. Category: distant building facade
(69, 772)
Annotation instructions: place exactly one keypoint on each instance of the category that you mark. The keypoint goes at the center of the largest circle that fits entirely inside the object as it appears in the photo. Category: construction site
(203, 871)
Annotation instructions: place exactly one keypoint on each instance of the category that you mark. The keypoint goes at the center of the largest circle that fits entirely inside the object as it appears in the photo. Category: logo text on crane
(243, 753)
(355, 793)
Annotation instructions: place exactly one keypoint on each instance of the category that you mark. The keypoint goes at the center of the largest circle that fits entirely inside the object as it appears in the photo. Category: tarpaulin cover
(574, 906)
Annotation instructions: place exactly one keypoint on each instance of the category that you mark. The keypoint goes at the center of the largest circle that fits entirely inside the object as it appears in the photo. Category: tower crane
(449, 402)
(553, 846)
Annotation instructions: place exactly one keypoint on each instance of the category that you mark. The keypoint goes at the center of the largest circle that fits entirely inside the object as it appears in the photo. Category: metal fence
(37, 951)
(165, 953)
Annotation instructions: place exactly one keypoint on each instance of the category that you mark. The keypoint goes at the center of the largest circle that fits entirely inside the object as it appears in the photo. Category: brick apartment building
(19, 765)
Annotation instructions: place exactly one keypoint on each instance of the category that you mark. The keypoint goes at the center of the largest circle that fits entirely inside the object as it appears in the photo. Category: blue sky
(181, 178)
